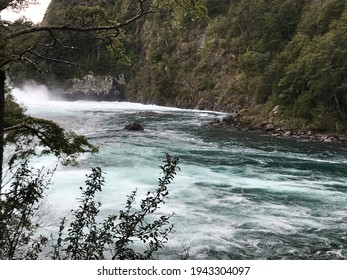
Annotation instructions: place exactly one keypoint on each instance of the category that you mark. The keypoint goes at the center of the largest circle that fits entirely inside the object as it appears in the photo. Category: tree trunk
(2, 120)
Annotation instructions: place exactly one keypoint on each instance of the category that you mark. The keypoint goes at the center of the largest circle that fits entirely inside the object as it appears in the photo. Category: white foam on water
(32, 94)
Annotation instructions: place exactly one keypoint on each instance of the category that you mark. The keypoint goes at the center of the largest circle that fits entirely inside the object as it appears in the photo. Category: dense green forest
(249, 56)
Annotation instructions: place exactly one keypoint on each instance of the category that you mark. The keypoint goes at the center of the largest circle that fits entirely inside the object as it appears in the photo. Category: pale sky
(34, 12)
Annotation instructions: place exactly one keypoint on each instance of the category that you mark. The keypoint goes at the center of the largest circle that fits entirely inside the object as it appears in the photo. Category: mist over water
(32, 94)
(239, 195)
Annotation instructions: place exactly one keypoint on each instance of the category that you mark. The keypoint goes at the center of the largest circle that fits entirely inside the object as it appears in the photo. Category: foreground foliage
(19, 205)
(84, 236)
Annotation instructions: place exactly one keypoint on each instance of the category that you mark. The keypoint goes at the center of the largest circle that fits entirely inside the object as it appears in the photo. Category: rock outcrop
(91, 87)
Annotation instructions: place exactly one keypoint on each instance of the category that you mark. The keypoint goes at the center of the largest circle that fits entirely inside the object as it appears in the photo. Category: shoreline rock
(236, 120)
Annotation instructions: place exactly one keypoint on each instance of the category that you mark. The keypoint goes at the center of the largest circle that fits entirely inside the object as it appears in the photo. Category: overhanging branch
(53, 59)
(56, 41)
(32, 63)
(14, 127)
(115, 27)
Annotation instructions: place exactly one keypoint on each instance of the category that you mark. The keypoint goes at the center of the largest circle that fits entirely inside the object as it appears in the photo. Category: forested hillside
(250, 56)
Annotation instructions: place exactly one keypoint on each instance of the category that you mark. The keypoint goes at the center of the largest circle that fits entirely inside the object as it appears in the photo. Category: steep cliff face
(91, 87)
(189, 64)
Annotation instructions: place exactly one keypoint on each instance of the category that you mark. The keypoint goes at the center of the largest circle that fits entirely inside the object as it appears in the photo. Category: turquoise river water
(239, 195)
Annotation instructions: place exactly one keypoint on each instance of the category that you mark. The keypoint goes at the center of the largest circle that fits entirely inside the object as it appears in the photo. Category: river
(239, 195)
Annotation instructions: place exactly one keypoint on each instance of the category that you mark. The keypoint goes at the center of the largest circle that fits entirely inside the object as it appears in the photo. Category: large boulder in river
(134, 126)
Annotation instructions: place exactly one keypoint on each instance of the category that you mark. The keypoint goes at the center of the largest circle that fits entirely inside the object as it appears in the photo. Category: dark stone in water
(134, 126)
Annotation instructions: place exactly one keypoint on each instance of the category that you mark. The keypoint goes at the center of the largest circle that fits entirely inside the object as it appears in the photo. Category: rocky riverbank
(242, 120)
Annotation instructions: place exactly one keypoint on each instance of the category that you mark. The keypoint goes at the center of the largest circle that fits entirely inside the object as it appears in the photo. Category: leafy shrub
(84, 238)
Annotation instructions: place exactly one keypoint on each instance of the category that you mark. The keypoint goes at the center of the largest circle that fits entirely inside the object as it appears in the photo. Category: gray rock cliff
(91, 87)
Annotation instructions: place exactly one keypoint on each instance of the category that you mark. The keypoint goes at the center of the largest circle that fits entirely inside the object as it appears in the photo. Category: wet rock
(134, 126)
(223, 119)
(269, 127)
(234, 115)
(275, 110)
(264, 123)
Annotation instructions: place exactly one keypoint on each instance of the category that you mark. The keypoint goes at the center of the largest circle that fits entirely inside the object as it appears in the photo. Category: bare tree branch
(53, 59)
(56, 41)
(33, 63)
(115, 27)
(15, 127)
